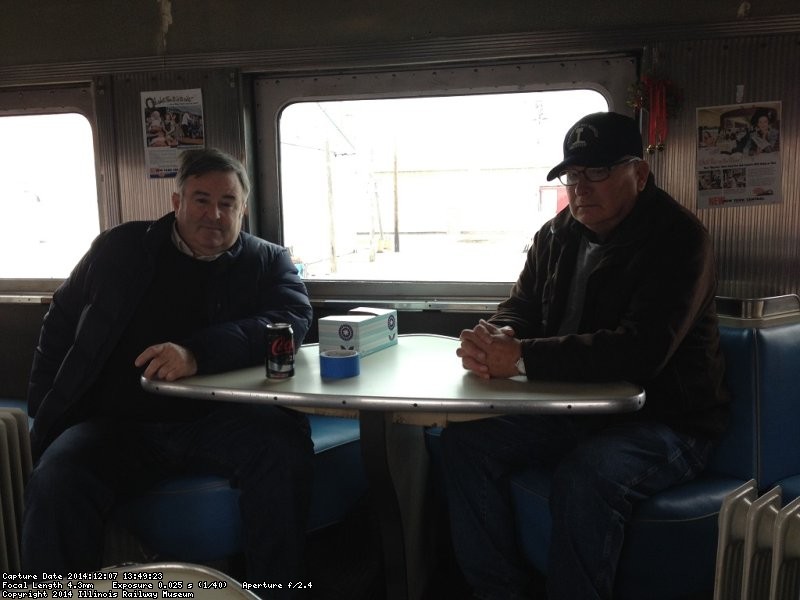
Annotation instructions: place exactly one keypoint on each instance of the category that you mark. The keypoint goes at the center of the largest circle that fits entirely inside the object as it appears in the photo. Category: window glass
(448, 188)
(48, 194)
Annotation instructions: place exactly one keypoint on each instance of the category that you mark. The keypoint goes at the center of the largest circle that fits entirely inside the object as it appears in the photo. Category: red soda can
(280, 351)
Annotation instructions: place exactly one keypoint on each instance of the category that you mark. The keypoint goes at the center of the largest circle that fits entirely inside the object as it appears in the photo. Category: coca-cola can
(280, 351)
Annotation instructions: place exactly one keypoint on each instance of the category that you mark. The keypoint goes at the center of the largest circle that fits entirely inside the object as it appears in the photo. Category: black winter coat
(649, 315)
(256, 284)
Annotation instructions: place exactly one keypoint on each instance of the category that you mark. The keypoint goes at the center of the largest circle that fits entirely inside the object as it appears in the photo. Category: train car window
(422, 189)
(48, 194)
(414, 185)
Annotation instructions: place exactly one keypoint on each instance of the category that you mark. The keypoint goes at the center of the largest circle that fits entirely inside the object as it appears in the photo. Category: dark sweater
(173, 306)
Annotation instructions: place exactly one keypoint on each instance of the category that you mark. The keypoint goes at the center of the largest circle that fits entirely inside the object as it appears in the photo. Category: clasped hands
(490, 351)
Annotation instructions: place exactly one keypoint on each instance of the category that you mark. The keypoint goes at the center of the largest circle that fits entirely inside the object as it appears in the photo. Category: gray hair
(207, 160)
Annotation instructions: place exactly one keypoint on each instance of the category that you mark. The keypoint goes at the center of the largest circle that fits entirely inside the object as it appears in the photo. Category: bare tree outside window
(422, 189)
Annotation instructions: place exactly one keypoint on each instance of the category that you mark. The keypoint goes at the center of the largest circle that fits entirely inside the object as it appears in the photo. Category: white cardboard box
(363, 329)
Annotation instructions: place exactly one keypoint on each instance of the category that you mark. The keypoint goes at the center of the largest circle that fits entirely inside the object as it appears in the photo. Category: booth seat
(14, 403)
(671, 540)
(196, 518)
(790, 488)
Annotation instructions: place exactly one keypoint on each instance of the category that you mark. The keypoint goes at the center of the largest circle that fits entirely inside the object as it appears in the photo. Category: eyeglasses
(570, 177)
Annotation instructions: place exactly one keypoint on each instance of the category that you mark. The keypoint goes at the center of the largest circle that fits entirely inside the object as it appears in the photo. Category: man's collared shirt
(181, 245)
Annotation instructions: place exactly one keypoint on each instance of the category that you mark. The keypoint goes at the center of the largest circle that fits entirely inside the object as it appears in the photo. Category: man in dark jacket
(618, 287)
(190, 293)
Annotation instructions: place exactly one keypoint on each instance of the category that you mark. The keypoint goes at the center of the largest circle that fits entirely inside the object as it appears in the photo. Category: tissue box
(363, 329)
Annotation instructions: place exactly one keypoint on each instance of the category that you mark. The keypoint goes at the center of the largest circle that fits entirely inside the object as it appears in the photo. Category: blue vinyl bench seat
(674, 531)
(671, 540)
(196, 518)
(14, 403)
(790, 487)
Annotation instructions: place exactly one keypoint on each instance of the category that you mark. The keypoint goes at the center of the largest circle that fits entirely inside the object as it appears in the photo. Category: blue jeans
(601, 470)
(266, 451)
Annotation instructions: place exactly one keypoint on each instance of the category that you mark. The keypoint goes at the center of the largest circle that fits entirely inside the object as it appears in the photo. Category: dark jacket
(649, 315)
(256, 283)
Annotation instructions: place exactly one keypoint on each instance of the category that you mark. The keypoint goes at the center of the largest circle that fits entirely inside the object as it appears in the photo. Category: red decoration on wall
(657, 101)
(661, 99)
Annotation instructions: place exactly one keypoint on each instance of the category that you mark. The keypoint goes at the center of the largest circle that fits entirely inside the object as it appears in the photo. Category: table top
(420, 374)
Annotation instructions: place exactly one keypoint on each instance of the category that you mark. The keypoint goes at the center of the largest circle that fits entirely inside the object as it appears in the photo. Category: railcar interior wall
(251, 60)
(316, 97)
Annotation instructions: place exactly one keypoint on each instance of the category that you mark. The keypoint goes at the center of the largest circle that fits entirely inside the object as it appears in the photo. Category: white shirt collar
(184, 248)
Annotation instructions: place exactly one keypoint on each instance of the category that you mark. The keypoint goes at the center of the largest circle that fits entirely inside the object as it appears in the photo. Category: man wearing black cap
(619, 287)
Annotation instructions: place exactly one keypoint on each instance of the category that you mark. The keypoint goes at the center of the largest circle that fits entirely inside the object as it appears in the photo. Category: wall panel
(144, 198)
(758, 247)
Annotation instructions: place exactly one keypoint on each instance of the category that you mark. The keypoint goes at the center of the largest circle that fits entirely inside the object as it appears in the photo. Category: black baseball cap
(599, 140)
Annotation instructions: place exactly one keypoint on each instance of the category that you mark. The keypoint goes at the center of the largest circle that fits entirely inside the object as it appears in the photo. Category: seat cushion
(17, 403)
(737, 452)
(166, 518)
(14, 403)
(671, 538)
(790, 488)
(779, 407)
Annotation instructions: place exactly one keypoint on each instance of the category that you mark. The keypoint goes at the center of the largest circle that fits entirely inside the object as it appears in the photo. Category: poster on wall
(172, 121)
(738, 155)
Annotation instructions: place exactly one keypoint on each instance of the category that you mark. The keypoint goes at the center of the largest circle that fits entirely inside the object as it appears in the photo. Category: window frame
(609, 74)
(77, 98)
